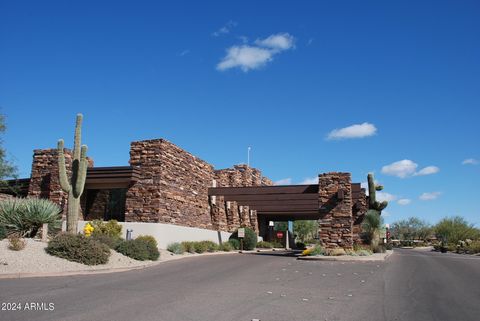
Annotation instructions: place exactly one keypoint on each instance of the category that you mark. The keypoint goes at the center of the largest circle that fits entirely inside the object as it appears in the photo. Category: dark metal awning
(111, 177)
(285, 200)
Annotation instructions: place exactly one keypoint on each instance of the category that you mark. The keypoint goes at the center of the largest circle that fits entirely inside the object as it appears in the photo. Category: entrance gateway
(337, 204)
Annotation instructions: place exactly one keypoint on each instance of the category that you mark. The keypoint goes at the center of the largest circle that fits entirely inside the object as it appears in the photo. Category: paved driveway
(410, 285)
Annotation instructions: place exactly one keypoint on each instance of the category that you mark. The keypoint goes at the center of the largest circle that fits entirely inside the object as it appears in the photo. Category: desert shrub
(335, 252)
(312, 241)
(200, 247)
(314, 250)
(473, 247)
(78, 248)
(363, 252)
(264, 245)
(300, 245)
(3, 232)
(276, 245)
(226, 247)
(142, 248)
(250, 239)
(176, 248)
(379, 248)
(110, 228)
(234, 243)
(211, 246)
(110, 241)
(189, 246)
(351, 252)
(25, 216)
(16, 243)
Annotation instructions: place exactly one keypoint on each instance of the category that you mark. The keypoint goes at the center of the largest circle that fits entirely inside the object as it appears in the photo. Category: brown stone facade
(335, 200)
(172, 188)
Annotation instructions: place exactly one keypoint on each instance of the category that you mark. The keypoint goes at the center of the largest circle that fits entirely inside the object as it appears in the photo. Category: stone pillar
(44, 179)
(335, 199)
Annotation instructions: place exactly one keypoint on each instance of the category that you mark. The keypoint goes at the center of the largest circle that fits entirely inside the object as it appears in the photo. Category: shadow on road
(282, 253)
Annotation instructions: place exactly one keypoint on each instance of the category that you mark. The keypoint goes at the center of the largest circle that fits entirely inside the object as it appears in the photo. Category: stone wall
(335, 199)
(44, 179)
(173, 185)
(358, 213)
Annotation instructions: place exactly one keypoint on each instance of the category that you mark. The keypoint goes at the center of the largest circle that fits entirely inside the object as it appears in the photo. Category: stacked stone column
(335, 199)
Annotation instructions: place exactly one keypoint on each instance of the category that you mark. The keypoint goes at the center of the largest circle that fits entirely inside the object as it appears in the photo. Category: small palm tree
(371, 226)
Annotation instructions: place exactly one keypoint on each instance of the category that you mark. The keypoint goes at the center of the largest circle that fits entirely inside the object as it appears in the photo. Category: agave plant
(371, 226)
(25, 216)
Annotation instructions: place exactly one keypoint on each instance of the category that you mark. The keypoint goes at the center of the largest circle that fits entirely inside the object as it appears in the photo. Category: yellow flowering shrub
(88, 229)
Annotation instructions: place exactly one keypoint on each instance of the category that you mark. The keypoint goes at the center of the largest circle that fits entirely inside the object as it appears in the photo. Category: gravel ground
(33, 259)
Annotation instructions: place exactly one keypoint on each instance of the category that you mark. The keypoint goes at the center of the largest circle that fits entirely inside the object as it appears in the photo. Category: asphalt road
(410, 285)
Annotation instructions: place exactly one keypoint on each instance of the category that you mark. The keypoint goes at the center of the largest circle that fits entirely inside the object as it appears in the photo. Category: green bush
(250, 239)
(78, 248)
(234, 243)
(25, 216)
(110, 228)
(277, 245)
(211, 246)
(379, 249)
(300, 245)
(189, 246)
(110, 241)
(316, 250)
(226, 247)
(176, 248)
(264, 245)
(142, 248)
(200, 247)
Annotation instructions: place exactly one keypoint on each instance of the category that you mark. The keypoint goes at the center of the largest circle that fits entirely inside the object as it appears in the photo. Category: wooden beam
(285, 208)
(271, 197)
(313, 203)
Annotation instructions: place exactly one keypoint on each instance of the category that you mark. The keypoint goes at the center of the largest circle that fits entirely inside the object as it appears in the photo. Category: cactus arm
(82, 172)
(372, 194)
(78, 137)
(62, 170)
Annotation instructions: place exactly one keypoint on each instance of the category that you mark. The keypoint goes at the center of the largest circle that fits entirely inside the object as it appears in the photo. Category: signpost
(241, 235)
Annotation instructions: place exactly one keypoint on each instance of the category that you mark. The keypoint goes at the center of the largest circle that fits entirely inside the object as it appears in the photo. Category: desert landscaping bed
(33, 260)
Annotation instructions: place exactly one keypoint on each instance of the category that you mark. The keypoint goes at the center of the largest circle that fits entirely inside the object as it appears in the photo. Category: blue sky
(278, 76)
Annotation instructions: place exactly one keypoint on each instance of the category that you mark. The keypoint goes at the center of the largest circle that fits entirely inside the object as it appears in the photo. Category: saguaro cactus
(373, 204)
(74, 186)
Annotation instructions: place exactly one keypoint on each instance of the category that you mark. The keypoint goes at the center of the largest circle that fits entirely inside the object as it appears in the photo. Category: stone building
(169, 187)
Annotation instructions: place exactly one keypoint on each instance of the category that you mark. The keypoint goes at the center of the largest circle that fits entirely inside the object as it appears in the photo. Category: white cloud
(248, 57)
(383, 196)
(470, 161)
(225, 29)
(185, 52)
(245, 58)
(402, 169)
(284, 181)
(404, 201)
(310, 180)
(429, 196)
(354, 131)
(406, 168)
(280, 41)
(385, 213)
(429, 170)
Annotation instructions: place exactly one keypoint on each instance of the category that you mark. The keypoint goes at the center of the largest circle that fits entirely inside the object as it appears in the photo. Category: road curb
(347, 258)
(20, 275)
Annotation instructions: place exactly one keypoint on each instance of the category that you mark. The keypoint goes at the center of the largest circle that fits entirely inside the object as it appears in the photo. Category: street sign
(241, 232)
(280, 235)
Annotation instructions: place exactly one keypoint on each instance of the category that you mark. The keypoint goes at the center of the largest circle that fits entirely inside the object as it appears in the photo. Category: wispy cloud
(225, 29)
(404, 201)
(470, 161)
(250, 57)
(184, 52)
(429, 196)
(310, 180)
(384, 196)
(407, 168)
(353, 131)
(429, 170)
(284, 181)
